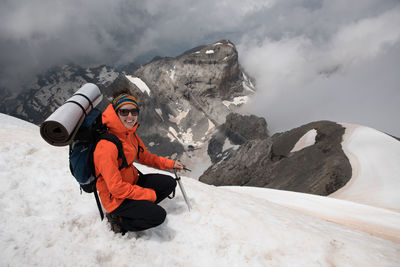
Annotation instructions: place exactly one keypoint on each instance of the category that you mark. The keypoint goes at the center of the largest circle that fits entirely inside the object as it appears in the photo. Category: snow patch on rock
(237, 101)
(139, 84)
(305, 141)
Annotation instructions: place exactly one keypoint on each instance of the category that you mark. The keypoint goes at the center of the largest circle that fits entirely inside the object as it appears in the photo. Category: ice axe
(178, 179)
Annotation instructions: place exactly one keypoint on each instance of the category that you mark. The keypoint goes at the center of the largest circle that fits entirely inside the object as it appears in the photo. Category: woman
(130, 200)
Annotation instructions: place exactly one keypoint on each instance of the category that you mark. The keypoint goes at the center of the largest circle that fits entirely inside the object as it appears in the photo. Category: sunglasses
(125, 112)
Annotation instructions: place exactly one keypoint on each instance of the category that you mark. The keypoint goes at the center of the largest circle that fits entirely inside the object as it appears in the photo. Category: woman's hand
(178, 166)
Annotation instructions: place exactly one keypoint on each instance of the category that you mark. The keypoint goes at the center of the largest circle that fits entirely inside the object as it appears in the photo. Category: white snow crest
(139, 83)
(374, 158)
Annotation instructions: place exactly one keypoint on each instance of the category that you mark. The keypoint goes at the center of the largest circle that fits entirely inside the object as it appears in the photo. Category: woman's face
(128, 119)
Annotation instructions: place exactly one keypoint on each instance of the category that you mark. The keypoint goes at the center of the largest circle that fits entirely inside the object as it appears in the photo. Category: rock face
(185, 98)
(320, 168)
(51, 90)
(236, 130)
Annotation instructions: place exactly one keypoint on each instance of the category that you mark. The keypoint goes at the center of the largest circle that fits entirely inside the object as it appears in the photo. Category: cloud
(35, 35)
(303, 78)
(299, 51)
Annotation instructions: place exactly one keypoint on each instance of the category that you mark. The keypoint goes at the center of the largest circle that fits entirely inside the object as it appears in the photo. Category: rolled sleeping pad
(61, 126)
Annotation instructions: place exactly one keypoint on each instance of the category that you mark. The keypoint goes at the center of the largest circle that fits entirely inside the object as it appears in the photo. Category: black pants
(138, 215)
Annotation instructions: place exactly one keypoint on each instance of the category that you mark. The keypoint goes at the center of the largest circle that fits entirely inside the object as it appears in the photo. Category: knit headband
(122, 100)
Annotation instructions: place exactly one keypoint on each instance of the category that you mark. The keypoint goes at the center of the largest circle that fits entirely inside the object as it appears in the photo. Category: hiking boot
(115, 222)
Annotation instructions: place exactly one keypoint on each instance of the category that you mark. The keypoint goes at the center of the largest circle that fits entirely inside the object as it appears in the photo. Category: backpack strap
(140, 149)
(112, 138)
(115, 140)
(79, 104)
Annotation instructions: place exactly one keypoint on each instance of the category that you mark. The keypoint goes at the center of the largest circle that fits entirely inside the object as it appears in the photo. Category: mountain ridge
(187, 96)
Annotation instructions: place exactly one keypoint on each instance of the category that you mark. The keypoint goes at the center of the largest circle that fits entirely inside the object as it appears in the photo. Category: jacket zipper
(131, 165)
(131, 141)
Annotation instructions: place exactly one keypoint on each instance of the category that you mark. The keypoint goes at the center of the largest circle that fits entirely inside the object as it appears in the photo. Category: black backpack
(81, 151)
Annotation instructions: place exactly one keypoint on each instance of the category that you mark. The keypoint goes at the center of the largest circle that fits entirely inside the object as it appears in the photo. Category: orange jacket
(116, 185)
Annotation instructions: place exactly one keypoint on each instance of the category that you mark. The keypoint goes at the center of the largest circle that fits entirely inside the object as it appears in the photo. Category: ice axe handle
(178, 179)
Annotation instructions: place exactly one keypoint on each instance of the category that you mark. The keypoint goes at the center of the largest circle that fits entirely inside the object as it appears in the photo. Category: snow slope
(46, 222)
(375, 161)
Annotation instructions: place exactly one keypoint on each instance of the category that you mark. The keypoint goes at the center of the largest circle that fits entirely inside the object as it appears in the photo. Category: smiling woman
(129, 197)
(126, 107)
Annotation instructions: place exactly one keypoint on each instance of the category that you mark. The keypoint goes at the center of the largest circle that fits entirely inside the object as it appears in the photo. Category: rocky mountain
(182, 99)
(190, 110)
(321, 167)
(236, 130)
(51, 90)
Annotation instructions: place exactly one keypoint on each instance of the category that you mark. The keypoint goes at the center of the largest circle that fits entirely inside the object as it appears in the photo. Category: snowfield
(45, 221)
(374, 157)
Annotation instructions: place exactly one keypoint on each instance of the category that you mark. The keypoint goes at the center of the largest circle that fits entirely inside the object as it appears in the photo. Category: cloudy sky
(311, 59)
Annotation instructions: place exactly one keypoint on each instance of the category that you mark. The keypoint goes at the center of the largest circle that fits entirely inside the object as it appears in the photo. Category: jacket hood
(111, 119)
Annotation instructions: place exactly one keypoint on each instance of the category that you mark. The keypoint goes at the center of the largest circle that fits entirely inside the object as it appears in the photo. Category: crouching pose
(129, 199)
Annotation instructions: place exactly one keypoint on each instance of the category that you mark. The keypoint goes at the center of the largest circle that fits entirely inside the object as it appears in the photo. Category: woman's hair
(120, 92)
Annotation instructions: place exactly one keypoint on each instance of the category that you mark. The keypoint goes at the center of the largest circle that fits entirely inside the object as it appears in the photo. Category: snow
(376, 221)
(211, 127)
(106, 76)
(247, 87)
(172, 74)
(247, 84)
(186, 137)
(208, 52)
(171, 137)
(239, 100)
(89, 73)
(139, 84)
(228, 144)
(374, 157)
(159, 112)
(305, 141)
(177, 119)
(47, 222)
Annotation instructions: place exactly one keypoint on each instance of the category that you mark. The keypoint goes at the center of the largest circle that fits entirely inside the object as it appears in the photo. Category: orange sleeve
(153, 160)
(106, 163)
